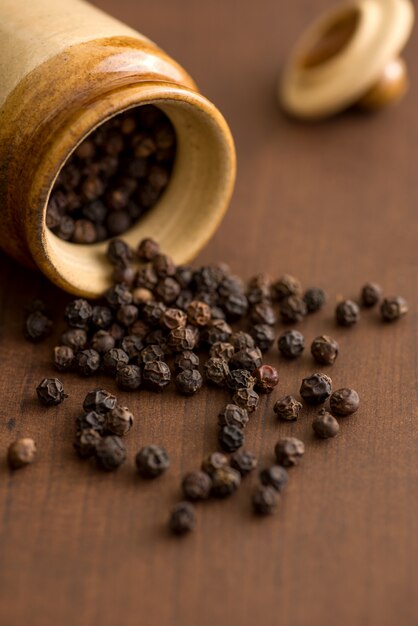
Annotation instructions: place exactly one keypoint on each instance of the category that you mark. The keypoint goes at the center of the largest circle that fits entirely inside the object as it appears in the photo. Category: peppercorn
(37, 326)
(75, 338)
(117, 295)
(394, 308)
(246, 359)
(344, 402)
(102, 341)
(189, 381)
(213, 462)
(216, 371)
(127, 314)
(325, 425)
(168, 290)
(242, 341)
(163, 265)
(275, 476)
(156, 375)
(259, 289)
(235, 305)
(233, 415)
(84, 232)
(132, 345)
(286, 286)
(156, 338)
(263, 335)
(289, 451)
(87, 362)
(347, 313)
(291, 344)
(215, 331)
(186, 360)
(263, 313)
(110, 453)
(244, 462)
(199, 313)
(99, 400)
(51, 391)
(266, 378)
(63, 358)
(292, 309)
(287, 408)
(173, 318)
(370, 294)
(147, 249)
(315, 389)
(153, 352)
(197, 485)
(247, 399)
(86, 442)
(21, 452)
(231, 438)
(324, 350)
(78, 313)
(92, 421)
(114, 358)
(181, 339)
(152, 461)
(184, 275)
(119, 420)
(102, 317)
(225, 481)
(222, 350)
(182, 518)
(128, 377)
(265, 500)
(314, 298)
(239, 379)
(117, 331)
(119, 253)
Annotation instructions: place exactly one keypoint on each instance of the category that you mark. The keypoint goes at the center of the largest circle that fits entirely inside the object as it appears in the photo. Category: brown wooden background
(335, 204)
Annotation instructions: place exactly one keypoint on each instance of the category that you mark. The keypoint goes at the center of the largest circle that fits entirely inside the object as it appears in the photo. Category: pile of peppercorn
(157, 322)
(114, 177)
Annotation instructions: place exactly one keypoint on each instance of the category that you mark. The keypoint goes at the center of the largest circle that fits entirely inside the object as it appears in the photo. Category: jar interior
(117, 174)
(333, 39)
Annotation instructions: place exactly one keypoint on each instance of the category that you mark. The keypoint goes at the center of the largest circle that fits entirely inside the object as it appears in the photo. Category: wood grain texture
(335, 204)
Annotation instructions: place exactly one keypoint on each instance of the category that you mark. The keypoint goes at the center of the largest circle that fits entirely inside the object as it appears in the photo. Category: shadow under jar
(71, 77)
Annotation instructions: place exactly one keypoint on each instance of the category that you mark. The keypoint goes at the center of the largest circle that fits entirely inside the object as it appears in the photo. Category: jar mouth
(182, 220)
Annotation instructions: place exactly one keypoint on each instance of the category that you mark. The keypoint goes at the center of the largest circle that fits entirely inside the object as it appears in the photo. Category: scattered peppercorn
(324, 350)
(156, 375)
(119, 420)
(344, 402)
(292, 309)
(265, 500)
(93, 421)
(128, 377)
(110, 453)
(233, 415)
(325, 425)
(243, 461)
(289, 451)
(222, 350)
(78, 313)
(370, 294)
(213, 462)
(286, 286)
(113, 359)
(37, 326)
(63, 358)
(239, 379)
(86, 442)
(21, 452)
(266, 378)
(197, 485)
(275, 476)
(51, 391)
(392, 309)
(291, 344)
(225, 481)
(216, 371)
(87, 362)
(152, 461)
(100, 401)
(315, 389)
(263, 335)
(287, 408)
(189, 381)
(347, 313)
(182, 518)
(247, 399)
(186, 360)
(231, 438)
(314, 299)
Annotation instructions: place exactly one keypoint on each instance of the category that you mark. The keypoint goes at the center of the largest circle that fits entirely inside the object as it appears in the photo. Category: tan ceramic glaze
(349, 56)
(65, 68)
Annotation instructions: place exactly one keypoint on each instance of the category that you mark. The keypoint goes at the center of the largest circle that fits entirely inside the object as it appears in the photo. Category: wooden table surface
(333, 203)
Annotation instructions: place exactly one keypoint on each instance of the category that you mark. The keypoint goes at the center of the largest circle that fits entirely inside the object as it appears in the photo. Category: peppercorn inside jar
(114, 177)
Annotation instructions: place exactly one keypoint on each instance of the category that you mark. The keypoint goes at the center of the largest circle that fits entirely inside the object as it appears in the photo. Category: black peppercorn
(324, 350)
(291, 344)
(78, 313)
(156, 375)
(168, 290)
(242, 341)
(347, 313)
(99, 400)
(314, 299)
(152, 461)
(275, 476)
(247, 359)
(197, 485)
(231, 438)
(344, 402)
(394, 308)
(263, 335)
(132, 345)
(222, 350)
(287, 408)
(102, 341)
(63, 358)
(247, 399)
(127, 314)
(147, 249)
(102, 317)
(225, 481)
(128, 377)
(325, 425)
(370, 294)
(213, 462)
(110, 453)
(289, 451)
(37, 326)
(243, 461)
(266, 378)
(92, 421)
(163, 265)
(233, 415)
(263, 313)
(199, 313)
(87, 362)
(86, 442)
(182, 518)
(118, 294)
(75, 338)
(181, 339)
(119, 420)
(265, 500)
(216, 371)
(315, 389)
(51, 391)
(119, 253)
(286, 286)
(292, 309)
(21, 452)
(189, 381)
(239, 379)
(186, 360)
(215, 331)
(113, 359)
(173, 318)
(153, 352)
